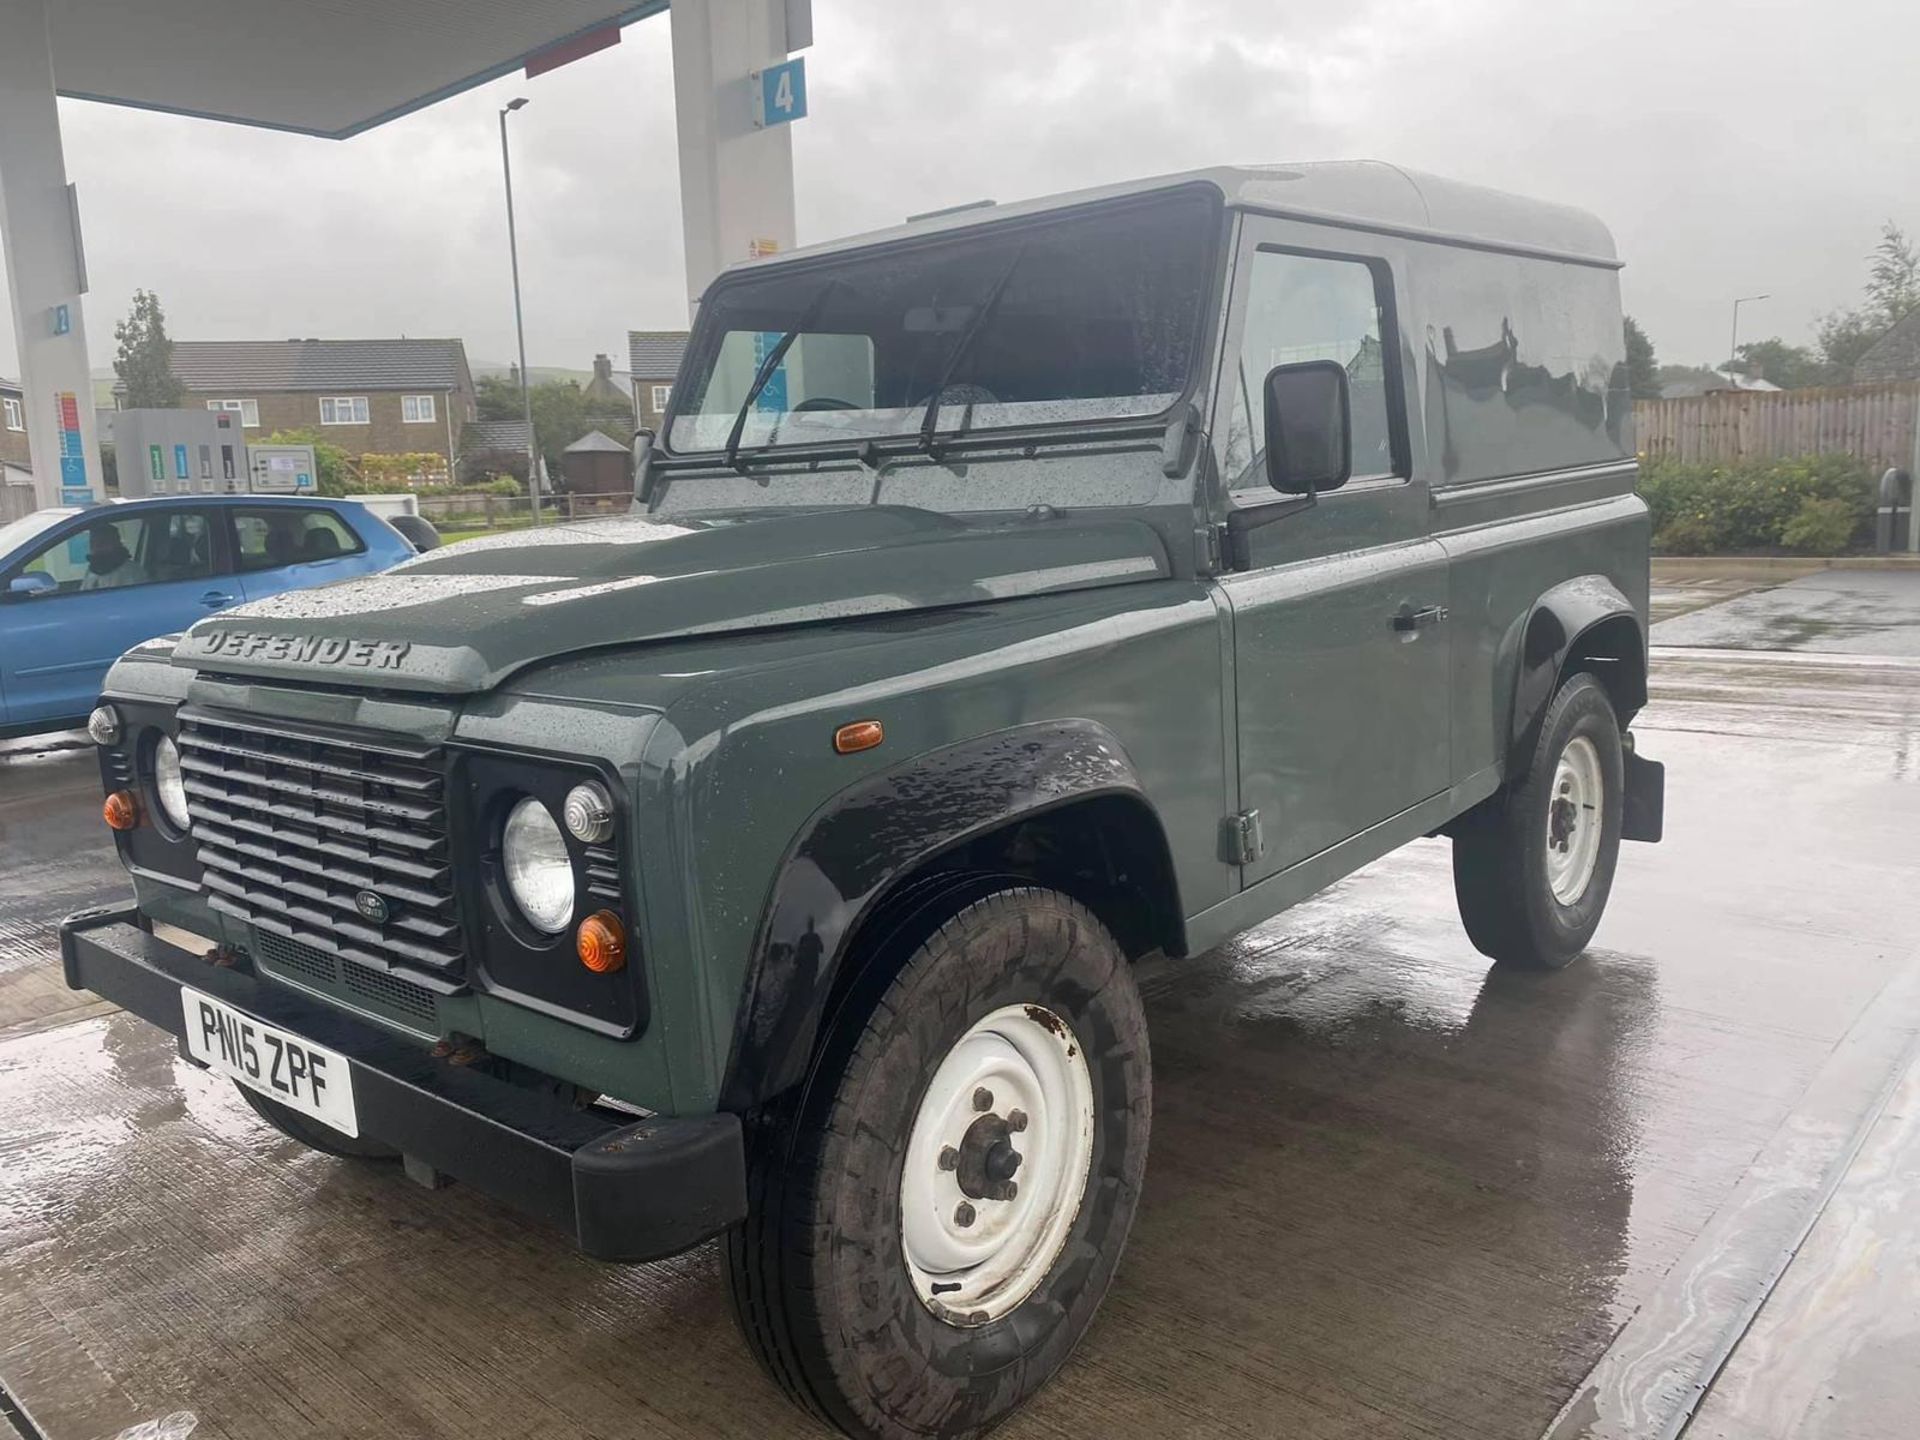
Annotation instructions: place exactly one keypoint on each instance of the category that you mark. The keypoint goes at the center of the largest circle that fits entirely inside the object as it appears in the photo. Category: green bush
(1820, 527)
(1814, 504)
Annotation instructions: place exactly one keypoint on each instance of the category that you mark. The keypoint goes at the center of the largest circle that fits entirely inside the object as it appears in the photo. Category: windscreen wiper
(771, 364)
(930, 420)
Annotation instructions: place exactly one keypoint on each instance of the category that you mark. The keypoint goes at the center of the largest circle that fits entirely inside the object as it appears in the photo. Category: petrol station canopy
(331, 68)
(334, 69)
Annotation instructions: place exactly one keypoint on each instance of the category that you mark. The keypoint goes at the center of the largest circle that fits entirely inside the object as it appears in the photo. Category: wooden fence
(1875, 423)
(16, 501)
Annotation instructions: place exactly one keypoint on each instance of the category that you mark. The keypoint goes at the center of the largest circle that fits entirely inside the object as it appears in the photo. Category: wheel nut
(1016, 1120)
(983, 1099)
(1009, 1190)
(963, 1217)
(949, 1158)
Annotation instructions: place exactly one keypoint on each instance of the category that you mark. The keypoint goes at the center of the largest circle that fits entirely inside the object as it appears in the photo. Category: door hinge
(1240, 840)
(1209, 549)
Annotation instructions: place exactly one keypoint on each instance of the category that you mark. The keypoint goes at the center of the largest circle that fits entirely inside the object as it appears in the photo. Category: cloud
(1731, 151)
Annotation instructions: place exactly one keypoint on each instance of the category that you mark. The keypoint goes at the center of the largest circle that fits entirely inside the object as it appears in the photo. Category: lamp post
(519, 318)
(1733, 345)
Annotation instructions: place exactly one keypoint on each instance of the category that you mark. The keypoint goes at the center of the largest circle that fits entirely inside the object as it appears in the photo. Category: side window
(266, 539)
(1311, 307)
(116, 554)
(180, 546)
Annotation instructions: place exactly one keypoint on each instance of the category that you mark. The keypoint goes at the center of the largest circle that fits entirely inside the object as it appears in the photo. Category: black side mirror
(1309, 422)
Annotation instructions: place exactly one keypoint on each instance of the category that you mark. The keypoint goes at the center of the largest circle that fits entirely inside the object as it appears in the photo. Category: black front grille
(279, 953)
(293, 826)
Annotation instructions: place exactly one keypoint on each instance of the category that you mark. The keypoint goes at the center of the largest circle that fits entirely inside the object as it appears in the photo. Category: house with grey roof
(13, 425)
(381, 397)
(606, 395)
(17, 495)
(493, 447)
(653, 358)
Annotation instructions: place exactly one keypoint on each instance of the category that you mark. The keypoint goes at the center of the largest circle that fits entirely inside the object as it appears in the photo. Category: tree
(145, 361)
(497, 398)
(1643, 370)
(562, 413)
(1791, 367)
(559, 419)
(1844, 337)
(1893, 276)
(1892, 290)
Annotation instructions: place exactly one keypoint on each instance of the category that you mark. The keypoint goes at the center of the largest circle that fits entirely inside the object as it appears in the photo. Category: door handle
(214, 599)
(1407, 620)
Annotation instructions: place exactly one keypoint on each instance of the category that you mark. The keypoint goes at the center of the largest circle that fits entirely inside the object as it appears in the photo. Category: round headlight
(588, 813)
(539, 872)
(169, 785)
(103, 725)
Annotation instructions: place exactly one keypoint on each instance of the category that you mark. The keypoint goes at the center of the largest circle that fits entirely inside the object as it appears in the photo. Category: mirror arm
(1242, 523)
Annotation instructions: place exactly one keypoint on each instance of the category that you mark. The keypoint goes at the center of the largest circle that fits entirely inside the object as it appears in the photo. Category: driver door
(1341, 650)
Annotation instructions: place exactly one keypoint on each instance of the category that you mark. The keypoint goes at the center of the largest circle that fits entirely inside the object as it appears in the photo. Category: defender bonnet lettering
(297, 649)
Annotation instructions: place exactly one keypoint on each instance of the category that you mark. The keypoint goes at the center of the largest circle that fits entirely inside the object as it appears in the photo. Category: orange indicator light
(122, 810)
(860, 735)
(602, 943)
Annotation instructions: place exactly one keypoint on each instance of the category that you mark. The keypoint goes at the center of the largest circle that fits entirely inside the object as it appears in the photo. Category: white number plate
(299, 1074)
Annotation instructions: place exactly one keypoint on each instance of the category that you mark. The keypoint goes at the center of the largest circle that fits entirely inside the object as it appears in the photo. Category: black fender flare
(856, 848)
(1560, 620)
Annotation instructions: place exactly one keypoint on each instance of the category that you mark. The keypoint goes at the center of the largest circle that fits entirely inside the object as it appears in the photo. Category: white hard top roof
(1363, 194)
(318, 67)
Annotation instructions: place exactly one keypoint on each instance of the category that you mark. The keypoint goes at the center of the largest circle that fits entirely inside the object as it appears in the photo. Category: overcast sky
(1732, 148)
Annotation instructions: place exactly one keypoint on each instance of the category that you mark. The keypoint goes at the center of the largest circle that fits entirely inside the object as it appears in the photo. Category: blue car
(79, 587)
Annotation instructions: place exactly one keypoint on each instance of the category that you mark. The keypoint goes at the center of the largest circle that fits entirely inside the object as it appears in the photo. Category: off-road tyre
(311, 1133)
(817, 1275)
(1501, 864)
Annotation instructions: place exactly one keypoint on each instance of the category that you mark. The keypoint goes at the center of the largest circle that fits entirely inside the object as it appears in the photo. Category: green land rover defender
(1007, 597)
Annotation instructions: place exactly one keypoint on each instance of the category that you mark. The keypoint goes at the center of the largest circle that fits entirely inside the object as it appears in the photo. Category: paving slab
(1392, 1193)
(1834, 1354)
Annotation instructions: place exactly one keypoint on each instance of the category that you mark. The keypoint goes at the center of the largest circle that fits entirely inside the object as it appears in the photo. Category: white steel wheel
(996, 1165)
(1575, 808)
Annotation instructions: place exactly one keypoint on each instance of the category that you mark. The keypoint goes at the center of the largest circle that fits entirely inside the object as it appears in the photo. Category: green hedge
(1809, 505)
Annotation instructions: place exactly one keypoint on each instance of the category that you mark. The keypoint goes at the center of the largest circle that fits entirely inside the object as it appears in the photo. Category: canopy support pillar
(736, 180)
(39, 231)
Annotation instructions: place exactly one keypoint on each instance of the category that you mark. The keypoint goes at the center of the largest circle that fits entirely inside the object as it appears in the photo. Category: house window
(16, 418)
(343, 410)
(249, 411)
(417, 409)
(661, 393)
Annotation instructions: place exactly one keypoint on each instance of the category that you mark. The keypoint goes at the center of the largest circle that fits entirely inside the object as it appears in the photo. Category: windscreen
(1094, 315)
(16, 533)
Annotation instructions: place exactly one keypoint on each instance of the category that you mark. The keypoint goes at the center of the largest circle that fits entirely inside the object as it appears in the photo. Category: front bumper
(636, 1190)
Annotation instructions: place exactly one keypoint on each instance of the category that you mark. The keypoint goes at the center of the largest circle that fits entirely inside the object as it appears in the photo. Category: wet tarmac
(1846, 612)
(1392, 1194)
(55, 858)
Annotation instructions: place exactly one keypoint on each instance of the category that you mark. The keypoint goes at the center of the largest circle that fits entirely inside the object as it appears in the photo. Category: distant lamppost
(519, 318)
(1733, 345)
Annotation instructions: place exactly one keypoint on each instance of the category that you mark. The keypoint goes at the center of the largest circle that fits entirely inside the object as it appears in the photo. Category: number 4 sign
(780, 94)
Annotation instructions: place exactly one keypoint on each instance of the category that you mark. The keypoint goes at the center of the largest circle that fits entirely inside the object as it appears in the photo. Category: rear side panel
(1529, 457)
(1549, 532)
